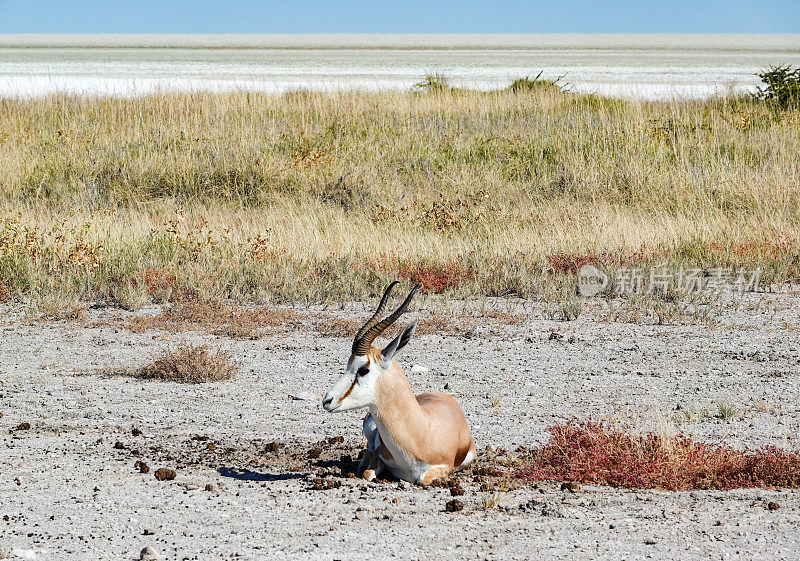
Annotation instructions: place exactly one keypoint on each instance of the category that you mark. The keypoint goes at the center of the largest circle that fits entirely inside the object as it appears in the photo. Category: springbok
(419, 438)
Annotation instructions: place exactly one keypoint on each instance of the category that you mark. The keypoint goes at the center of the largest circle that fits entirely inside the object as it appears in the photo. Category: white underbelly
(401, 465)
(400, 471)
(411, 471)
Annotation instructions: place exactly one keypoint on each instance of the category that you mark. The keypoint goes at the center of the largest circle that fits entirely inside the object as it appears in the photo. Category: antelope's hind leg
(371, 465)
(436, 472)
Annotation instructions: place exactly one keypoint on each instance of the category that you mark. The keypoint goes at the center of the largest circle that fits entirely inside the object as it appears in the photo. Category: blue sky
(357, 16)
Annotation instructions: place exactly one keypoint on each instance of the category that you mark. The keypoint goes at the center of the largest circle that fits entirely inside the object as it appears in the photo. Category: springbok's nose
(326, 402)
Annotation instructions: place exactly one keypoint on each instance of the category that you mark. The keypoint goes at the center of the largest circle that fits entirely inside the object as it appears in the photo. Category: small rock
(555, 336)
(570, 486)
(718, 523)
(456, 491)
(209, 487)
(23, 426)
(119, 445)
(368, 508)
(314, 453)
(149, 554)
(454, 506)
(191, 487)
(419, 369)
(447, 386)
(274, 446)
(650, 541)
(773, 506)
(360, 515)
(165, 474)
(397, 500)
(141, 466)
(148, 532)
(211, 446)
(136, 432)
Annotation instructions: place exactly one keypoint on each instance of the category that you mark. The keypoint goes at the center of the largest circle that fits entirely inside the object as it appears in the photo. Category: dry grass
(240, 322)
(491, 500)
(596, 453)
(219, 318)
(315, 197)
(191, 365)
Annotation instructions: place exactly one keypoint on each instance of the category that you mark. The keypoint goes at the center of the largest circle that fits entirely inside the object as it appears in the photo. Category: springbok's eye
(363, 371)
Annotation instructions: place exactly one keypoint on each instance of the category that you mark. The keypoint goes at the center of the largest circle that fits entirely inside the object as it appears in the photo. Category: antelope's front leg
(371, 465)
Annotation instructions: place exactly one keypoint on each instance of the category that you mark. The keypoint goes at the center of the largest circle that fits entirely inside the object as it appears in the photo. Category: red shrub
(595, 453)
(158, 280)
(436, 277)
(752, 250)
(570, 263)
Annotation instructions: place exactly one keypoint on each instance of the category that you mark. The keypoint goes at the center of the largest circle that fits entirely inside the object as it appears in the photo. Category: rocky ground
(260, 470)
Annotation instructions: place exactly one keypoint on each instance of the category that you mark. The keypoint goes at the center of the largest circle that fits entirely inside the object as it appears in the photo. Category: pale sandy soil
(66, 492)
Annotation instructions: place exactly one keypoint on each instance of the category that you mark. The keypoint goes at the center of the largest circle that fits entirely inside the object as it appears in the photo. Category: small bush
(571, 309)
(191, 365)
(537, 84)
(433, 83)
(595, 453)
(781, 86)
(727, 411)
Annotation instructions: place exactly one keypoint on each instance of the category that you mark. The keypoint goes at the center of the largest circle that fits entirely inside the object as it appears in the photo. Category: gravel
(66, 491)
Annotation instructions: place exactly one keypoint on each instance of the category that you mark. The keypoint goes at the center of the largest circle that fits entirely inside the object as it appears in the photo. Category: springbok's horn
(374, 319)
(367, 334)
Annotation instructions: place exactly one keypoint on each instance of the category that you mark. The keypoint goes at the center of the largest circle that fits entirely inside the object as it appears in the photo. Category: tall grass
(314, 196)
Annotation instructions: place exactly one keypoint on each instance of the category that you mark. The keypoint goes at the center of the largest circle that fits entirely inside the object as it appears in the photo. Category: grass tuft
(536, 84)
(191, 364)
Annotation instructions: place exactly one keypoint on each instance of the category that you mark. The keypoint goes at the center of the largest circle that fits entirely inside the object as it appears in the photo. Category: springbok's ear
(397, 343)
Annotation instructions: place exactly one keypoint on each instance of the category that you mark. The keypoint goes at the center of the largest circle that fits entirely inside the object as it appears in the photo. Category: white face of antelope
(356, 388)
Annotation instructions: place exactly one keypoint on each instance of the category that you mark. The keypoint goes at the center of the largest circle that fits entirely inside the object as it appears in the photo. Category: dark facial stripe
(353, 385)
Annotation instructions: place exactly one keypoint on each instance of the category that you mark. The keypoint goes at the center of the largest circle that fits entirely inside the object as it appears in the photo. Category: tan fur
(430, 427)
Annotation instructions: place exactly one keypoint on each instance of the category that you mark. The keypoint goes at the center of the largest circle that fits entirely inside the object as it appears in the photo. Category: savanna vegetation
(604, 454)
(325, 196)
